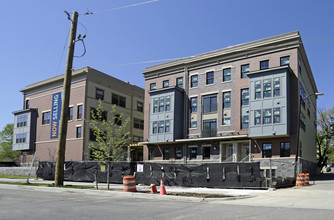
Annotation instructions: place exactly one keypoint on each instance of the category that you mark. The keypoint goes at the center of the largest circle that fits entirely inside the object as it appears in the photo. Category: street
(24, 202)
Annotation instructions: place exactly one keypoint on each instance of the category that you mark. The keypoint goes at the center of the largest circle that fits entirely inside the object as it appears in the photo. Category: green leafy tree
(111, 137)
(325, 136)
(6, 144)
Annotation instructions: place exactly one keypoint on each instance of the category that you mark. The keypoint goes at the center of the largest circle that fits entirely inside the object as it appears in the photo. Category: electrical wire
(62, 54)
(113, 9)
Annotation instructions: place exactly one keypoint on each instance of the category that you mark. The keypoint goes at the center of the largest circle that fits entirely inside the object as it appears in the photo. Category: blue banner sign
(55, 115)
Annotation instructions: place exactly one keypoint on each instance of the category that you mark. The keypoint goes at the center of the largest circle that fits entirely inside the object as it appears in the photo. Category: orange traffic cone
(162, 188)
(153, 188)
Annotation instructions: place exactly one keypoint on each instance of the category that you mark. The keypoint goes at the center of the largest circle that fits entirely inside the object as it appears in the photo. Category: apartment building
(36, 126)
(236, 104)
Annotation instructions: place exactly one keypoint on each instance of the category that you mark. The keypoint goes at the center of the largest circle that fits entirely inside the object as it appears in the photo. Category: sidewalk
(173, 190)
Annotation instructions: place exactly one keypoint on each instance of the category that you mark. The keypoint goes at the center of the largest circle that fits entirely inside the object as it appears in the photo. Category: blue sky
(34, 33)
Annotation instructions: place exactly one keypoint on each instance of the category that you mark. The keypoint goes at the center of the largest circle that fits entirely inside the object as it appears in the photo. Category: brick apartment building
(236, 104)
(33, 126)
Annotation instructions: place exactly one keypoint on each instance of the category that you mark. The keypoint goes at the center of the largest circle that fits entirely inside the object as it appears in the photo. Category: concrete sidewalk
(144, 188)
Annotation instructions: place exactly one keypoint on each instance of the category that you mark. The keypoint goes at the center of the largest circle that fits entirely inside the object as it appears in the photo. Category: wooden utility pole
(59, 175)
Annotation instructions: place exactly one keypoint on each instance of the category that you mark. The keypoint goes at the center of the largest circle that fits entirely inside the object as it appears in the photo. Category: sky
(123, 37)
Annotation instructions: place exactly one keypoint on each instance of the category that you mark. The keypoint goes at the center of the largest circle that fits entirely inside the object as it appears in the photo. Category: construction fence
(214, 175)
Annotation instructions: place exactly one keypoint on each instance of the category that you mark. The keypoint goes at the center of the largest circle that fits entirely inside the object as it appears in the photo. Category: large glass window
(151, 153)
(277, 115)
(264, 64)
(46, 118)
(165, 84)
(209, 78)
(210, 128)
(226, 74)
(118, 100)
(257, 89)
(103, 117)
(266, 88)
(266, 150)
(155, 127)
(226, 100)
(244, 122)
(167, 126)
(179, 82)
(257, 117)
(285, 149)
(178, 153)
(210, 103)
(193, 103)
(99, 94)
(155, 105)
(138, 123)
(167, 103)
(22, 120)
(165, 153)
(161, 104)
(79, 112)
(21, 138)
(267, 116)
(194, 81)
(244, 70)
(193, 153)
(161, 126)
(153, 86)
(285, 60)
(277, 87)
(206, 153)
(244, 97)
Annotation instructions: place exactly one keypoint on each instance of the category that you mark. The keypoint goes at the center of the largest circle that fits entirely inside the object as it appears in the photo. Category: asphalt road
(18, 202)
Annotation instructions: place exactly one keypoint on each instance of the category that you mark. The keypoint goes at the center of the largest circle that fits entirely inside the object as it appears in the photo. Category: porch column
(220, 152)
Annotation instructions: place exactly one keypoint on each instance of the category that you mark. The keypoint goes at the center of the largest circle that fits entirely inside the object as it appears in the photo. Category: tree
(325, 136)
(6, 144)
(110, 136)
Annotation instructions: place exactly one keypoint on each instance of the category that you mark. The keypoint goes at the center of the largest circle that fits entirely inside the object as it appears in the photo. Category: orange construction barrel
(307, 179)
(129, 184)
(300, 180)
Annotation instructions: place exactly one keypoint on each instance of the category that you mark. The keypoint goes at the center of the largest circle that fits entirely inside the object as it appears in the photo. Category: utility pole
(59, 175)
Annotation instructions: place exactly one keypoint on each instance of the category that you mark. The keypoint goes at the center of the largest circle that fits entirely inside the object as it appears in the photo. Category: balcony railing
(209, 133)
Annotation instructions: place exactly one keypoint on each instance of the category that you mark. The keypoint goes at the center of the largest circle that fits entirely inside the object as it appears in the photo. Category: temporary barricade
(129, 184)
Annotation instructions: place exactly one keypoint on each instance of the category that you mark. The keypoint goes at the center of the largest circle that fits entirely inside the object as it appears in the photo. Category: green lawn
(15, 176)
(46, 185)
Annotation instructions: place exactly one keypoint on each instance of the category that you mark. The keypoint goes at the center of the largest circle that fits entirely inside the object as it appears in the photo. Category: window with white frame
(227, 75)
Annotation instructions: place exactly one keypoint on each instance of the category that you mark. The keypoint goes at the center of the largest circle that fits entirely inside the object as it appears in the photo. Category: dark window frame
(210, 78)
(78, 132)
(227, 100)
(227, 74)
(46, 118)
(193, 104)
(285, 149)
(99, 94)
(244, 96)
(194, 81)
(243, 73)
(282, 59)
(165, 84)
(264, 64)
(267, 153)
(179, 82)
(212, 105)
(79, 111)
(153, 86)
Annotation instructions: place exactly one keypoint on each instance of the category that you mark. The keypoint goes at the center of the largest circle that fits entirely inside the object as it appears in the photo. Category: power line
(62, 53)
(113, 9)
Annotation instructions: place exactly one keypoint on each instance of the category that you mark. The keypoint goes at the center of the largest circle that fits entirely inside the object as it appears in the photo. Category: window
(227, 74)
(266, 88)
(244, 70)
(118, 100)
(27, 104)
(137, 139)
(99, 94)
(267, 116)
(155, 127)
(140, 106)
(178, 153)
(226, 121)
(257, 117)
(117, 120)
(167, 104)
(193, 153)
(244, 122)
(210, 128)
(70, 116)
(151, 152)
(299, 66)
(226, 100)
(302, 121)
(264, 64)
(79, 132)
(165, 153)
(285, 60)
(302, 95)
(161, 104)
(193, 104)
(276, 87)
(210, 103)
(161, 125)
(277, 117)
(209, 78)
(266, 152)
(194, 81)
(46, 118)
(153, 86)
(21, 120)
(138, 123)
(21, 138)
(285, 149)
(193, 124)
(155, 105)
(79, 113)
(257, 89)
(167, 126)
(92, 136)
(206, 153)
(179, 82)
(165, 84)
(93, 112)
(244, 97)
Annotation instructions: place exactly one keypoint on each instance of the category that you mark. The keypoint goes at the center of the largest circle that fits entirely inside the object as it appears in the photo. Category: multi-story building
(36, 129)
(235, 104)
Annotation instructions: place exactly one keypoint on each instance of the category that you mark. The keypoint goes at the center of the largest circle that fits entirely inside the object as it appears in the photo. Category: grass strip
(15, 176)
(46, 185)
